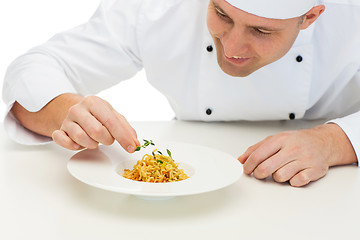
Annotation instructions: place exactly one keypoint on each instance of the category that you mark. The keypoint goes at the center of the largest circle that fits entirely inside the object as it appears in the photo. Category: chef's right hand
(93, 121)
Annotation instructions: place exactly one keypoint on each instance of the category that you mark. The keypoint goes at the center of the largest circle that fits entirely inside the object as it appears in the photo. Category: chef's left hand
(299, 156)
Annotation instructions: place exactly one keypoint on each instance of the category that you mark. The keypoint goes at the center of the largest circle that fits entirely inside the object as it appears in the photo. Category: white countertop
(39, 199)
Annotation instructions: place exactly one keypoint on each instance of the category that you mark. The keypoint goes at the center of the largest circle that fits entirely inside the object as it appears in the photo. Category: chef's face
(245, 42)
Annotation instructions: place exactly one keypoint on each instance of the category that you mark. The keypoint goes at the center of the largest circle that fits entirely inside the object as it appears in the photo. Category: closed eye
(261, 32)
(222, 15)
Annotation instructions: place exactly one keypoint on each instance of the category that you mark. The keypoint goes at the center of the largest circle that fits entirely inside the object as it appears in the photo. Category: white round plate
(208, 169)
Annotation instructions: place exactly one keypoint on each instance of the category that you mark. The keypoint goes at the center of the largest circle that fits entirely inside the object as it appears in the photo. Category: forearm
(50, 117)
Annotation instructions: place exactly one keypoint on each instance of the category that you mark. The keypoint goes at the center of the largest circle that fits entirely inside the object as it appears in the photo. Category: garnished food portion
(156, 168)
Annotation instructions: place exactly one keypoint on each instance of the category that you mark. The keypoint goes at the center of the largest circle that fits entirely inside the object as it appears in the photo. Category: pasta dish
(156, 168)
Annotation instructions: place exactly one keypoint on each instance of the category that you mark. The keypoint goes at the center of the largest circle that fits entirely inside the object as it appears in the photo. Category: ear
(311, 16)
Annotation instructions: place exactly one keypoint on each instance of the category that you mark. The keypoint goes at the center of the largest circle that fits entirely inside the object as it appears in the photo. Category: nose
(235, 43)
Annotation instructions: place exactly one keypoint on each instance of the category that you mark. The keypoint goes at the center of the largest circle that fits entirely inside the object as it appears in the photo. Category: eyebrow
(249, 26)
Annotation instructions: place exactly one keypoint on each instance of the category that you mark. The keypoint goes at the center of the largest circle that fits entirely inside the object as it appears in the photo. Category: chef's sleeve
(83, 60)
(351, 125)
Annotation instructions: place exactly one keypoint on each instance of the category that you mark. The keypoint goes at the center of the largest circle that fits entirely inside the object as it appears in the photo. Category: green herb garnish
(146, 143)
(168, 152)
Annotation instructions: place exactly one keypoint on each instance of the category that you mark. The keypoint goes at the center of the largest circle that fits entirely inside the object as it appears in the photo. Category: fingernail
(131, 148)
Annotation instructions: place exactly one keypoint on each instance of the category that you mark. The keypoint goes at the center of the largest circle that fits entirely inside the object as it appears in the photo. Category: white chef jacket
(318, 78)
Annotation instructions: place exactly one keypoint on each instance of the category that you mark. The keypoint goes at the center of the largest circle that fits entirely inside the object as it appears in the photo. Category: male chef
(214, 60)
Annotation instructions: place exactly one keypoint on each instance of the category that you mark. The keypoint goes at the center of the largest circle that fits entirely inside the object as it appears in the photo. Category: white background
(27, 23)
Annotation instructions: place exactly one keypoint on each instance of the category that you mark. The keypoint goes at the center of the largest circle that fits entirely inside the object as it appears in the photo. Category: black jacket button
(292, 116)
(299, 58)
(208, 111)
(209, 48)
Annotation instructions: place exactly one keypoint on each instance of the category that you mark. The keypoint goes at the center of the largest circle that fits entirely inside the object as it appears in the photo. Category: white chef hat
(278, 9)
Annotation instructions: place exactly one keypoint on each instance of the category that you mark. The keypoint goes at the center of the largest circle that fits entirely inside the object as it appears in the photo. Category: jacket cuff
(22, 135)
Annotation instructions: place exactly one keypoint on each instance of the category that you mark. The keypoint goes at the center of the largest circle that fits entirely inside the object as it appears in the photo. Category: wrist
(341, 147)
(49, 118)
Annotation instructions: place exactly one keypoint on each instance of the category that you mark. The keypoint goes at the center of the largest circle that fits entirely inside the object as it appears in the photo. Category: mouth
(236, 59)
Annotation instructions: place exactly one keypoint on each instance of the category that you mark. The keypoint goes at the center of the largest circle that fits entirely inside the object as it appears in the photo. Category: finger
(136, 137)
(286, 172)
(64, 141)
(137, 142)
(262, 153)
(304, 177)
(78, 135)
(93, 128)
(125, 134)
(116, 124)
(122, 131)
(249, 151)
(272, 164)
(133, 132)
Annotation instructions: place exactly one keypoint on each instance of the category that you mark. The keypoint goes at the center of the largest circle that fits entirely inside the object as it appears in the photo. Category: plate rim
(128, 190)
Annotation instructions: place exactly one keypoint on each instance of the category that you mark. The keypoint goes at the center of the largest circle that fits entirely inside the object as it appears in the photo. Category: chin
(236, 72)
